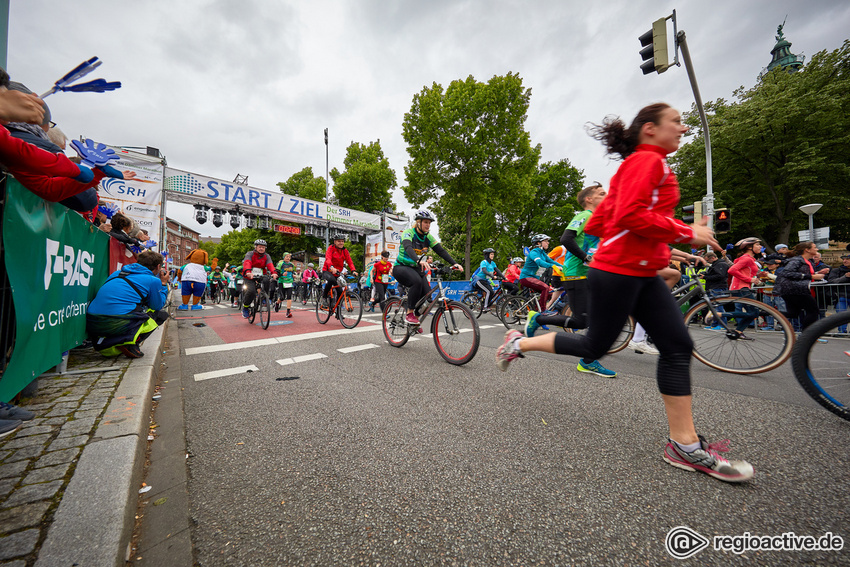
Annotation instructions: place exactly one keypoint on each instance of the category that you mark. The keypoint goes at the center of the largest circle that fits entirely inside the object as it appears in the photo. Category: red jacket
(742, 272)
(380, 269)
(254, 260)
(337, 257)
(48, 175)
(635, 221)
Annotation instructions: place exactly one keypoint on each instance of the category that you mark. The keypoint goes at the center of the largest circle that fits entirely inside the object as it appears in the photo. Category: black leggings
(415, 281)
(331, 281)
(613, 299)
(577, 294)
(805, 304)
(380, 292)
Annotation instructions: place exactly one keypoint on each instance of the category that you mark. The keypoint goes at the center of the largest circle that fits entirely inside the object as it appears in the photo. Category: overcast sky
(248, 86)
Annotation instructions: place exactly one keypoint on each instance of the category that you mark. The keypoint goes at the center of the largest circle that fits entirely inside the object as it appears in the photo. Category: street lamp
(811, 210)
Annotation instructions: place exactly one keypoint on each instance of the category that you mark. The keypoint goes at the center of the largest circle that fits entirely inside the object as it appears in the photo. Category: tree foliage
(303, 184)
(367, 182)
(236, 243)
(470, 152)
(781, 144)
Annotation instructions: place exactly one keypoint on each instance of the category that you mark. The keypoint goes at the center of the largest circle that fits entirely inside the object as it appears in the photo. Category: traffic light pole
(708, 201)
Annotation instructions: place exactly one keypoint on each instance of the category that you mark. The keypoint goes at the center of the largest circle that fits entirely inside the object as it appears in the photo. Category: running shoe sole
(673, 458)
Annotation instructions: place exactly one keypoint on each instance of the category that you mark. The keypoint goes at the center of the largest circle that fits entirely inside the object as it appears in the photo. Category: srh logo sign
(683, 542)
(75, 265)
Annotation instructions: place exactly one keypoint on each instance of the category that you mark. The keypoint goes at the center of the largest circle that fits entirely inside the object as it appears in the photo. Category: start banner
(56, 261)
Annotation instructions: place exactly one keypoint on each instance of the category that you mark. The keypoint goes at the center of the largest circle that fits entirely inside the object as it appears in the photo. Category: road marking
(225, 372)
(289, 339)
(351, 349)
(486, 326)
(304, 358)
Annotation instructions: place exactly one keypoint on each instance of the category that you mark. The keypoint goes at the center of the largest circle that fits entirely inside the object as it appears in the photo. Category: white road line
(272, 341)
(304, 358)
(486, 326)
(348, 350)
(231, 346)
(225, 372)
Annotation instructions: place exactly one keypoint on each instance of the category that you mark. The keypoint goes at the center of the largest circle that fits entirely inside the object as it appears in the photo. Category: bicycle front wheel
(746, 336)
(265, 310)
(622, 339)
(349, 310)
(473, 301)
(821, 360)
(395, 327)
(254, 307)
(456, 333)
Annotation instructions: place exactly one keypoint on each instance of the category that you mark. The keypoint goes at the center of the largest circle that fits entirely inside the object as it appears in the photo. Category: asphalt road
(394, 457)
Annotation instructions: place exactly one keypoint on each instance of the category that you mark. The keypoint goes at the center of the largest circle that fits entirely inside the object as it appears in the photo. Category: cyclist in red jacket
(256, 258)
(336, 257)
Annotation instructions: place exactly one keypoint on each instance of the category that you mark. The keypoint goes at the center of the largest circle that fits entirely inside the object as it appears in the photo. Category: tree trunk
(468, 239)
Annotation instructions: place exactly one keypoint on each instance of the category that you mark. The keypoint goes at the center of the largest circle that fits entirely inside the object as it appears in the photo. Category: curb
(94, 522)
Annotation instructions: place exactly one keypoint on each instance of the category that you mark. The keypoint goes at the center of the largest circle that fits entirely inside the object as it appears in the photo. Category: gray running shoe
(707, 460)
(8, 411)
(8, 426)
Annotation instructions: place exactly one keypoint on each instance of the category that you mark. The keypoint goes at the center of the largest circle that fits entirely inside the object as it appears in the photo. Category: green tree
(470, 152)
(782, 144)
(367, 182)
(303, 184)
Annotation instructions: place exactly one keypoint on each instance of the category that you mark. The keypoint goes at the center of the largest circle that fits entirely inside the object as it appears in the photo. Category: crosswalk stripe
(303, 358)
(277, 340)
(225, 372)
(348, 350)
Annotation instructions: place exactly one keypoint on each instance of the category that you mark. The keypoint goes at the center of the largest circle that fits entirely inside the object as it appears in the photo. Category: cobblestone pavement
(38, 461)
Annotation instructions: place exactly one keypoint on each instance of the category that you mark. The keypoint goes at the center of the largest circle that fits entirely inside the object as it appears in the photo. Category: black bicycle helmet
(489, 251)
(423, 214)
(260, 242)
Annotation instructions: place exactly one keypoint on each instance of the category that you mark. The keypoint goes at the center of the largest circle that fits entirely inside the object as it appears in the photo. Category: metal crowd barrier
(831, 298)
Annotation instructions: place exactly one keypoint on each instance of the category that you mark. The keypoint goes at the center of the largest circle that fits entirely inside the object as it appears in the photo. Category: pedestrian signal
(722, 221)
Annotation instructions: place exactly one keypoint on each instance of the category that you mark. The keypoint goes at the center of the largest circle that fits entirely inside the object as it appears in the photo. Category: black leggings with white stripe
(612, 298)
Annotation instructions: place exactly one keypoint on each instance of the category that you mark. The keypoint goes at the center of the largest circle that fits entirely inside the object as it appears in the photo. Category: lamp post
(811, 210)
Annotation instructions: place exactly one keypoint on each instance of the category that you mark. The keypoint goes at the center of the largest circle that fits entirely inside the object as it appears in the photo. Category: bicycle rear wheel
(350, 310)
(323, 312)
(265, 310)
(514, 312)
(718, 343)
(622, 339)
(822, 368)
(395, 328)
(474, 302)
(456, 333)
(254, 307)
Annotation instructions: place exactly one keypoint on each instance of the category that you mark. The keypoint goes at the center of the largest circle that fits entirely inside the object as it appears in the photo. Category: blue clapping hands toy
(149, 244)
(94, 155)
(108, 209)
(78, 72)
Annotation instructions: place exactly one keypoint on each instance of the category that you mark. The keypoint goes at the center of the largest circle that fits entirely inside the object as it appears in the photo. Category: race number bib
(256, 272)
(385, 278)
(287, 285)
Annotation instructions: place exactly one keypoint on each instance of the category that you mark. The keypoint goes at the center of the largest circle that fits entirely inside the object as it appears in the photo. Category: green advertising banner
(56, 261)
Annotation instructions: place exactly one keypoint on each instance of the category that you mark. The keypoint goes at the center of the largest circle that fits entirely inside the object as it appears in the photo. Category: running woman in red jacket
(635, 223)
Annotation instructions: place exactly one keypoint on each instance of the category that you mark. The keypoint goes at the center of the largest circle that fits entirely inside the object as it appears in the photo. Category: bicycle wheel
(822, 368)
(456, 333)
(265, 310)
(472, 300)
(622, 339)
(323, 313)
(395, 328)
(718, 342)
(514, 312)
(349, 310)
(254, 307)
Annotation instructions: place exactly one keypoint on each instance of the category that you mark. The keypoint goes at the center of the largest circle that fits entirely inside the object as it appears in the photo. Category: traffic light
(722, 221)
(695, 211)
(654, 52)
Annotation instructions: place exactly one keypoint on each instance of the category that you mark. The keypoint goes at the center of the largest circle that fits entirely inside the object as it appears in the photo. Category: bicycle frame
(441, 296)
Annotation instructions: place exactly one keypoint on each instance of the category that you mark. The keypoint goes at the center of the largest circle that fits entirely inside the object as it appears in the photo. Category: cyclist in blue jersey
(482, 278)
(411, 265)
(536, 263)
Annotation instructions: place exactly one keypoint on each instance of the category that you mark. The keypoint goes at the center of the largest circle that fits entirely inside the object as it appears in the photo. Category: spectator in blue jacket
(128, 307)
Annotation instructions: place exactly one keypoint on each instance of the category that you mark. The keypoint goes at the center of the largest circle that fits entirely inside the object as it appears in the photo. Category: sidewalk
(69, 479)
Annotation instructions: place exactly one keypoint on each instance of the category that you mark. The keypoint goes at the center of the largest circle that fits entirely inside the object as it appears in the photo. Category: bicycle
(474, 299)
(451, 320)
(215, 292)
(821, 367)
(262, 302)
(344, 304)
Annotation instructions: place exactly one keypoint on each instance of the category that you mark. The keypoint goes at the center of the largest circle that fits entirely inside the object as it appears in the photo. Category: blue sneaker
(197, 307)
(531, 325)
(246, 312)
(182, 308)
(595, 368)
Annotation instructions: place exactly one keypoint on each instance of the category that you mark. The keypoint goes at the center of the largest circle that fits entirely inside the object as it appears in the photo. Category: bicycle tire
(323, 313)
(723, 350)
(393, 323)
(823, 379)
(451, 322)
(349, 310)
(514, 312)
(265, 308)
(254, 306)
(473, 300)
(622, 340)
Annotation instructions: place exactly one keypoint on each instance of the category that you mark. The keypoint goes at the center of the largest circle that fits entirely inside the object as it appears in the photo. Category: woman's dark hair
(802, 247)
(621, 140)
(120, 222)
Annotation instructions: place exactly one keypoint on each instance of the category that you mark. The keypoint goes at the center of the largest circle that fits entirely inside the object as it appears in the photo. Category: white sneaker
(643, 347)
